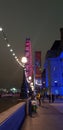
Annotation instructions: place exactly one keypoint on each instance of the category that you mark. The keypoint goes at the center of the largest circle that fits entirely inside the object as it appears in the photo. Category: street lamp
(24, 86)
(1, 29)
(24, 61)
(29, 79)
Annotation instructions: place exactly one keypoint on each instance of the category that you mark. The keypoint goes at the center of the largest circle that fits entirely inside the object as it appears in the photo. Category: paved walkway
(49, 117)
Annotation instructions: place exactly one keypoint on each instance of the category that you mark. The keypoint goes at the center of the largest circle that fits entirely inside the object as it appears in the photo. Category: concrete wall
(14, 121)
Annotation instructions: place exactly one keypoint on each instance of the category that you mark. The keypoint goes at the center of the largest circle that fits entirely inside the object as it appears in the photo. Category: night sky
(40, 20)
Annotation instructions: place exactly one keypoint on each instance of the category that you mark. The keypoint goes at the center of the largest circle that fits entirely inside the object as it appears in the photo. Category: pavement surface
(49, 116)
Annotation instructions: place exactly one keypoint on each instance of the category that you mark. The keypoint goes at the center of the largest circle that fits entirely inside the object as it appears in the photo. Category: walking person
(33, 106)
(39, 98)
(49, 98)
(53, 98)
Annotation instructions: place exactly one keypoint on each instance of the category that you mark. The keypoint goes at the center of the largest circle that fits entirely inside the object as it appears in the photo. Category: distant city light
(15, 57)
(13, 54)
(5, 38)
(1, 29)
(43, 82)
(31, 84)
(8, 45)
(11, 50)
(55, 81)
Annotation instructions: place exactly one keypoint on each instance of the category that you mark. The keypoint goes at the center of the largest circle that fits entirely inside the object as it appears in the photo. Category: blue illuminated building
(54, 67)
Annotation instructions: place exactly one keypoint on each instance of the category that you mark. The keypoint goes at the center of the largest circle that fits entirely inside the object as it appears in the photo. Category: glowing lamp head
(1, 29)
(30, 77)
(24, 60)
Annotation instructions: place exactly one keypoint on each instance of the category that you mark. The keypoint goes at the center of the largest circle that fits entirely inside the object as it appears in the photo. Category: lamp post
(24, 86)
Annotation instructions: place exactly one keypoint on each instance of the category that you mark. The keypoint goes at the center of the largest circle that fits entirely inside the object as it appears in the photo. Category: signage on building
(38, 64)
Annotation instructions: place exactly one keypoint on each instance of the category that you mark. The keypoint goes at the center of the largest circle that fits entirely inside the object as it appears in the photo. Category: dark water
(7, 102)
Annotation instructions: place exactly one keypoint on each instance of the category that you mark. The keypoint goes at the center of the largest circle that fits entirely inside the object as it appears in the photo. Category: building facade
(54, 67)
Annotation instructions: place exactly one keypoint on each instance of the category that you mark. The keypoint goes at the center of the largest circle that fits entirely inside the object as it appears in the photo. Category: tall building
(54, 67)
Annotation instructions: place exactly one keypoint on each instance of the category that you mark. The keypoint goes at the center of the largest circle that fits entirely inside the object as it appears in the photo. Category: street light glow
(24, 60)
(13, 54)
(15, 57)
(30, 77)
(8, 45)
(5, 38)
(1, 29)
(11, 50)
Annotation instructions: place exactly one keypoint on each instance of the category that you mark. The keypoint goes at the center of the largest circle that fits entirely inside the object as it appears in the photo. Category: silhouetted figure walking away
(53, 97)
(49, 98)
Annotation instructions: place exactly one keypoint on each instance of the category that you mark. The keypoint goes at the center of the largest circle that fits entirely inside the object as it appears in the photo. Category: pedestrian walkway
(49, 117)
